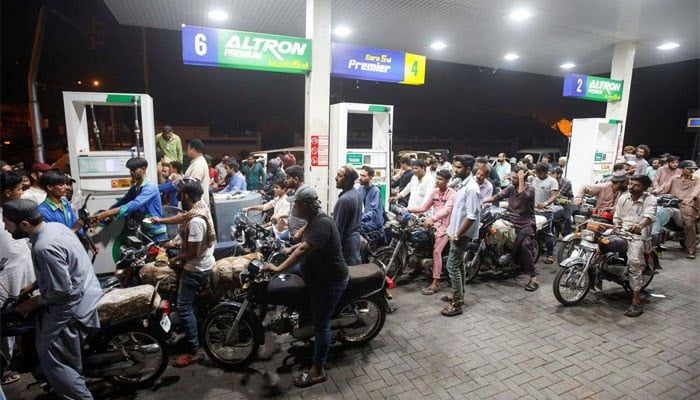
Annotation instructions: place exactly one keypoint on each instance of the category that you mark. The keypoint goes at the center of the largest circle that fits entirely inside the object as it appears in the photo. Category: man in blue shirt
(143, 197)
(167, 190)
(372, 219)
(56, 208)
(236, 180)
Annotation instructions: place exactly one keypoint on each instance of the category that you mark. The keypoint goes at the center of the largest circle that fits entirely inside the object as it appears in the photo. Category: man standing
(35, 193)
(502, 167)
(236, 179)
(143, 197)
(372, 219)
(491, 173)
(521, 203)
(686, 188)
(405, 174)
(546, 191)
(666, 172)
(254, 174)
(295, 181)
(168, 191)
(67, 303)
(462, 229)
(642, 152)
(346, 214)
(170, 144)
(221, 172)
(635, 213)
(198, 169)
(561, 163)
(56, 208)
(654, 165)
(485, 186)
(420, 186)
(431, 166)
(566, 194)
(443, 163)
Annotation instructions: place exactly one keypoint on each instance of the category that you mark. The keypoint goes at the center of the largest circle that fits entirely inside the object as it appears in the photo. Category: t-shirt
(198, 233)
(295, 223)
(326, 264)
(34, 194)
(543, 188)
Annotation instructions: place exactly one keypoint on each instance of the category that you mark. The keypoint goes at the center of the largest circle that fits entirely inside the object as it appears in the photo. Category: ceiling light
(342, 31)
(520, 15)
(439, 45)
(567, 65)
(668, 46)
(218, 15)
(511, 56)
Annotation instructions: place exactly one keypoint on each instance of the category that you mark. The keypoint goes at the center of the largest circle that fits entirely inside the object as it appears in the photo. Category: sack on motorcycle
(225, 275)
(153, 272)
(123, 304)
(503, 231)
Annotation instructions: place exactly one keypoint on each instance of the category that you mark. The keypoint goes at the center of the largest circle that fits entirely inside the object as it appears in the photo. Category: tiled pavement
(509, 344)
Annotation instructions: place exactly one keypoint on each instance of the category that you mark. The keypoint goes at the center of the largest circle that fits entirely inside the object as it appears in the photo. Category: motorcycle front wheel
(472, 264)
(393, 269)
(141, 346)
(371, 316)
(536, 250)
(566, 248)
(566, 286)
(648, 273)
(241, 351)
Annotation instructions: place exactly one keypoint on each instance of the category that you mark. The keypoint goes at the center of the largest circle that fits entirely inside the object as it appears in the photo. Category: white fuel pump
(595, 143)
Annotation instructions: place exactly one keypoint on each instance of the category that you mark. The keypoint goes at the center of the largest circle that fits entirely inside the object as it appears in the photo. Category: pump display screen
(101, 166)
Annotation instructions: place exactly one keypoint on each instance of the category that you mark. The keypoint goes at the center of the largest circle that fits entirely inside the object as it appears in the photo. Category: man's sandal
(186, 360)
(306, 380)
(634, 310)
(451, 310)
(429, 291)
(10, 377)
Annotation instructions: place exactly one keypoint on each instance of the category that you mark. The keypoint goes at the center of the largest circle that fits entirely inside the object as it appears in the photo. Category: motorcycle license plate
(165, 323)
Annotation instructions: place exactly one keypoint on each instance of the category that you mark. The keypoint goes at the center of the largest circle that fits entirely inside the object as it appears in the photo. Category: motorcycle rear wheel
(139, 343)
(472, 264)
(565, 289)
(372, 316)
(216, 327)
(384, 254)
(536, 250)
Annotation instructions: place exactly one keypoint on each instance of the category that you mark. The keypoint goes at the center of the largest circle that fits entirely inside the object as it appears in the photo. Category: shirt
(169, 193)
(606, 196)
(373, 211)
(486, 189)
(254, 176)
(171, 149)
(651, 172)
(347, 212)
(521, 204)
(53, 213)
(629, 213)
(418, 189)
(642, 166)
(144, 199)
(663, 174)
(282, 209)
(684, 189)
(442, 204)
(503, 170)
(237, 182)
(34, 194)
(565, 189)
(543, 189)
(199, 169)
(16, 268)
(326, 264)
(467, 204)
(197, 233)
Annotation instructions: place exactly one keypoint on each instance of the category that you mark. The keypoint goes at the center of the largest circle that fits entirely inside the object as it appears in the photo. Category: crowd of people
(450, 193)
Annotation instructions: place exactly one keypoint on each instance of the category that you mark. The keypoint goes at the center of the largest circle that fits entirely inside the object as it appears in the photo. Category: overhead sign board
(356, 62)
(592, 88)
(245, 50)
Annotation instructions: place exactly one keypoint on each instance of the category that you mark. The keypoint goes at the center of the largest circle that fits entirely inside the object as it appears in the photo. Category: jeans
(555, 213)
(568, 211)
(457, 269)
(190, 283)
(324, 298)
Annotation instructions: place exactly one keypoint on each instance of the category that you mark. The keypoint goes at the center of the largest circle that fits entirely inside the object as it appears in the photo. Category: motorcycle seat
(124, 304)
(363, 279)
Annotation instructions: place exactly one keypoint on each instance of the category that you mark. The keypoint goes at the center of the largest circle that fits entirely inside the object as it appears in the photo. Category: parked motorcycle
(584, 214)
(671, 230)
(233, 331)
(129, 350)
(600, 255)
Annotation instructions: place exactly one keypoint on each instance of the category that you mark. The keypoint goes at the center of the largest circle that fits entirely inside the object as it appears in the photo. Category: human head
(189, 191)
(441, 158)
(21, 217)
(405, 162)
(541, 170)
(431, 163)
(38, 169)
(250, 160)
(557, 173)
(279, 187)
(514, 175)
(4, 166)
(232, 167)
(26, 181)
(10, 186)
(137, 168)
(442, 178)
(175, 167)
(482, 171)
(688, 168)
(619, 167)
(168, 132)
(562, 162)
(273, 165)
(366, 175)
(672, 162)
(288, 159)
(642, 151)
(628, 150)
(619, 181)
(54, 184)
(345, 177)
(195, 148)
(419, 168)
(638, 184)
(655, 163)
(306, 203)
(501, 157)
(165, 169)
(630, 167)
(545, 159)
(295, 176)
(463, 165)
(482, 161)
(208, 159)
(530, 159)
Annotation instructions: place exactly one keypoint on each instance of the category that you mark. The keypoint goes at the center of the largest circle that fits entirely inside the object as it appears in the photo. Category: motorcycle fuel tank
(287, 290)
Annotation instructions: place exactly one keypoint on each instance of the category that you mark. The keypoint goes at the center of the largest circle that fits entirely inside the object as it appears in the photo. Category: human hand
(26, 307)
(156, 220)
(578, 202)
(270, 267)
(521, 174)
(27, 290)
(78, 224)
(428, 222)
(637, 229)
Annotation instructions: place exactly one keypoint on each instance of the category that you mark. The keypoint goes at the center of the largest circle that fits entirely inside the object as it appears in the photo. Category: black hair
(465, 159)
(672, 158)
(519, 168)
(22, 210)
(295, 171)
(558, 171)
(482, 160)
(52, 178)
(196, 145)
(159, 155)
(445, 174)
(619, 166)
(233, 165)
(405, 160)
(134, 163)
(370, 170)
(281, 182)
(643, 179)
(645, 148)
(351, 175)
(541, 167)
(176, 165)
(192, 188)
(419, 163)
(9, 180)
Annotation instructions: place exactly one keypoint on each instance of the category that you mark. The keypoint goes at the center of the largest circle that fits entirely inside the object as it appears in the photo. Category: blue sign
(592, 88)
(355, 62)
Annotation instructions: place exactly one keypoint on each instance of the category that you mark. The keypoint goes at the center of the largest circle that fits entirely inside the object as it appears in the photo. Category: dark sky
(466, 107)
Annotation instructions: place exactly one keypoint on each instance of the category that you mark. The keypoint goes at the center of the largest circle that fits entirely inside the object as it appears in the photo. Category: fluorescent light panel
(218, 15)
(567, 65)
(668, 46)
(520, 15)
(342, 30)
(438, 45)
(511, 56)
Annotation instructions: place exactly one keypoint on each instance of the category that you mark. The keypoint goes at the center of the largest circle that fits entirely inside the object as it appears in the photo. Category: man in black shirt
(347, 212)
(325, 275)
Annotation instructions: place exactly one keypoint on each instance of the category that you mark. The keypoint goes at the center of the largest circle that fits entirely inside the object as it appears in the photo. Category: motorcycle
(585, 213)
(600, 255)
(233, 331)
(493, 250)
(129, 349)
(671, 229)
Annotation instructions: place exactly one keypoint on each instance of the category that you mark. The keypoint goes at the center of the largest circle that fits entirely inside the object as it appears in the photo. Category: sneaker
(532, 286)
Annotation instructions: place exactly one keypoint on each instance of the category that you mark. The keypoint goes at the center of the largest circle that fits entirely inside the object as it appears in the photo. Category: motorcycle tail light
(165, 307)
(153, 251)
(390, 282)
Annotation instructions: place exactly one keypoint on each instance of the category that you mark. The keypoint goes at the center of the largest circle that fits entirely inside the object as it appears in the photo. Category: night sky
(465, 108)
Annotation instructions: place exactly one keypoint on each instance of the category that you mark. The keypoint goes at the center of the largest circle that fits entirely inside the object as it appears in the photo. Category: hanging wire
(96, 128)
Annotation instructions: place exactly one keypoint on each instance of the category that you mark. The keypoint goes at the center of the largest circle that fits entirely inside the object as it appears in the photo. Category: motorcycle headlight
(588, 236)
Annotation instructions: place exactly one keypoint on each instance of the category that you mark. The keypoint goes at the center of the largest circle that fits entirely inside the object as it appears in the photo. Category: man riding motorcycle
(607, 194)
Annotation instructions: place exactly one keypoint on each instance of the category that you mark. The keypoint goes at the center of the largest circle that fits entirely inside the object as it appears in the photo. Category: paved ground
(509, 344)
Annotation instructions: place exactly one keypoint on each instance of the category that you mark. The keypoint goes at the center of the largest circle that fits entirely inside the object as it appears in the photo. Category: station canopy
(549, 34)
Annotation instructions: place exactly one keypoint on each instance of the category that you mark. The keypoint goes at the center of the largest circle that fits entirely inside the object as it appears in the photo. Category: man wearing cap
(35, 193)
(169, 144)
(67, 303)
(325, 274)
(686, 188)
(666, 172)
(606, 193)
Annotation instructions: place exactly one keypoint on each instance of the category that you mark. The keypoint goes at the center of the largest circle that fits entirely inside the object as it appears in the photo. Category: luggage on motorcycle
(226, 272)
(153, 272)
(286, 290)
(614, 244)
(364, 278)
(598, 227)
(503, 231)
(540, 222)
(123, 304)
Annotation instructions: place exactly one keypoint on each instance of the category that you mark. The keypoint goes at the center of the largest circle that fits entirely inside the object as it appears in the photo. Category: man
(618, 168)
(325, 274)
(56, 208)
(254, 174)
(635, 212)
(686, 188)
(402, 178)
(221, 172)
(295, 181)
(431, 166)
(347, 213)
(606, 193)
(4, 166)
(169, 144)
(67, 303)
(565, 198)
(461, 230)
(35, 193)
(654, 165)
(485, 186)
(502, 167)
(441, 201)
(642, 152)
(198, 169)
(546, 191)
(420, 186)
(236, 179)
(443, 163)
(521, 203)
(492, 175)
(667, 172)
(196, 259)
(168, 191)
(631, 167)
(274, 173)
(281, 207)
(142, 200)
(561, 163)
(372, 219)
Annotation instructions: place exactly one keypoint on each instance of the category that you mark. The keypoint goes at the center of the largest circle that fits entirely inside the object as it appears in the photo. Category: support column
(622, 66)
(317, 99)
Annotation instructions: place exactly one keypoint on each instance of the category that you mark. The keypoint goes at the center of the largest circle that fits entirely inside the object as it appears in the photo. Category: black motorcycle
(671, 230)
(129, 350)
(233, 331)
